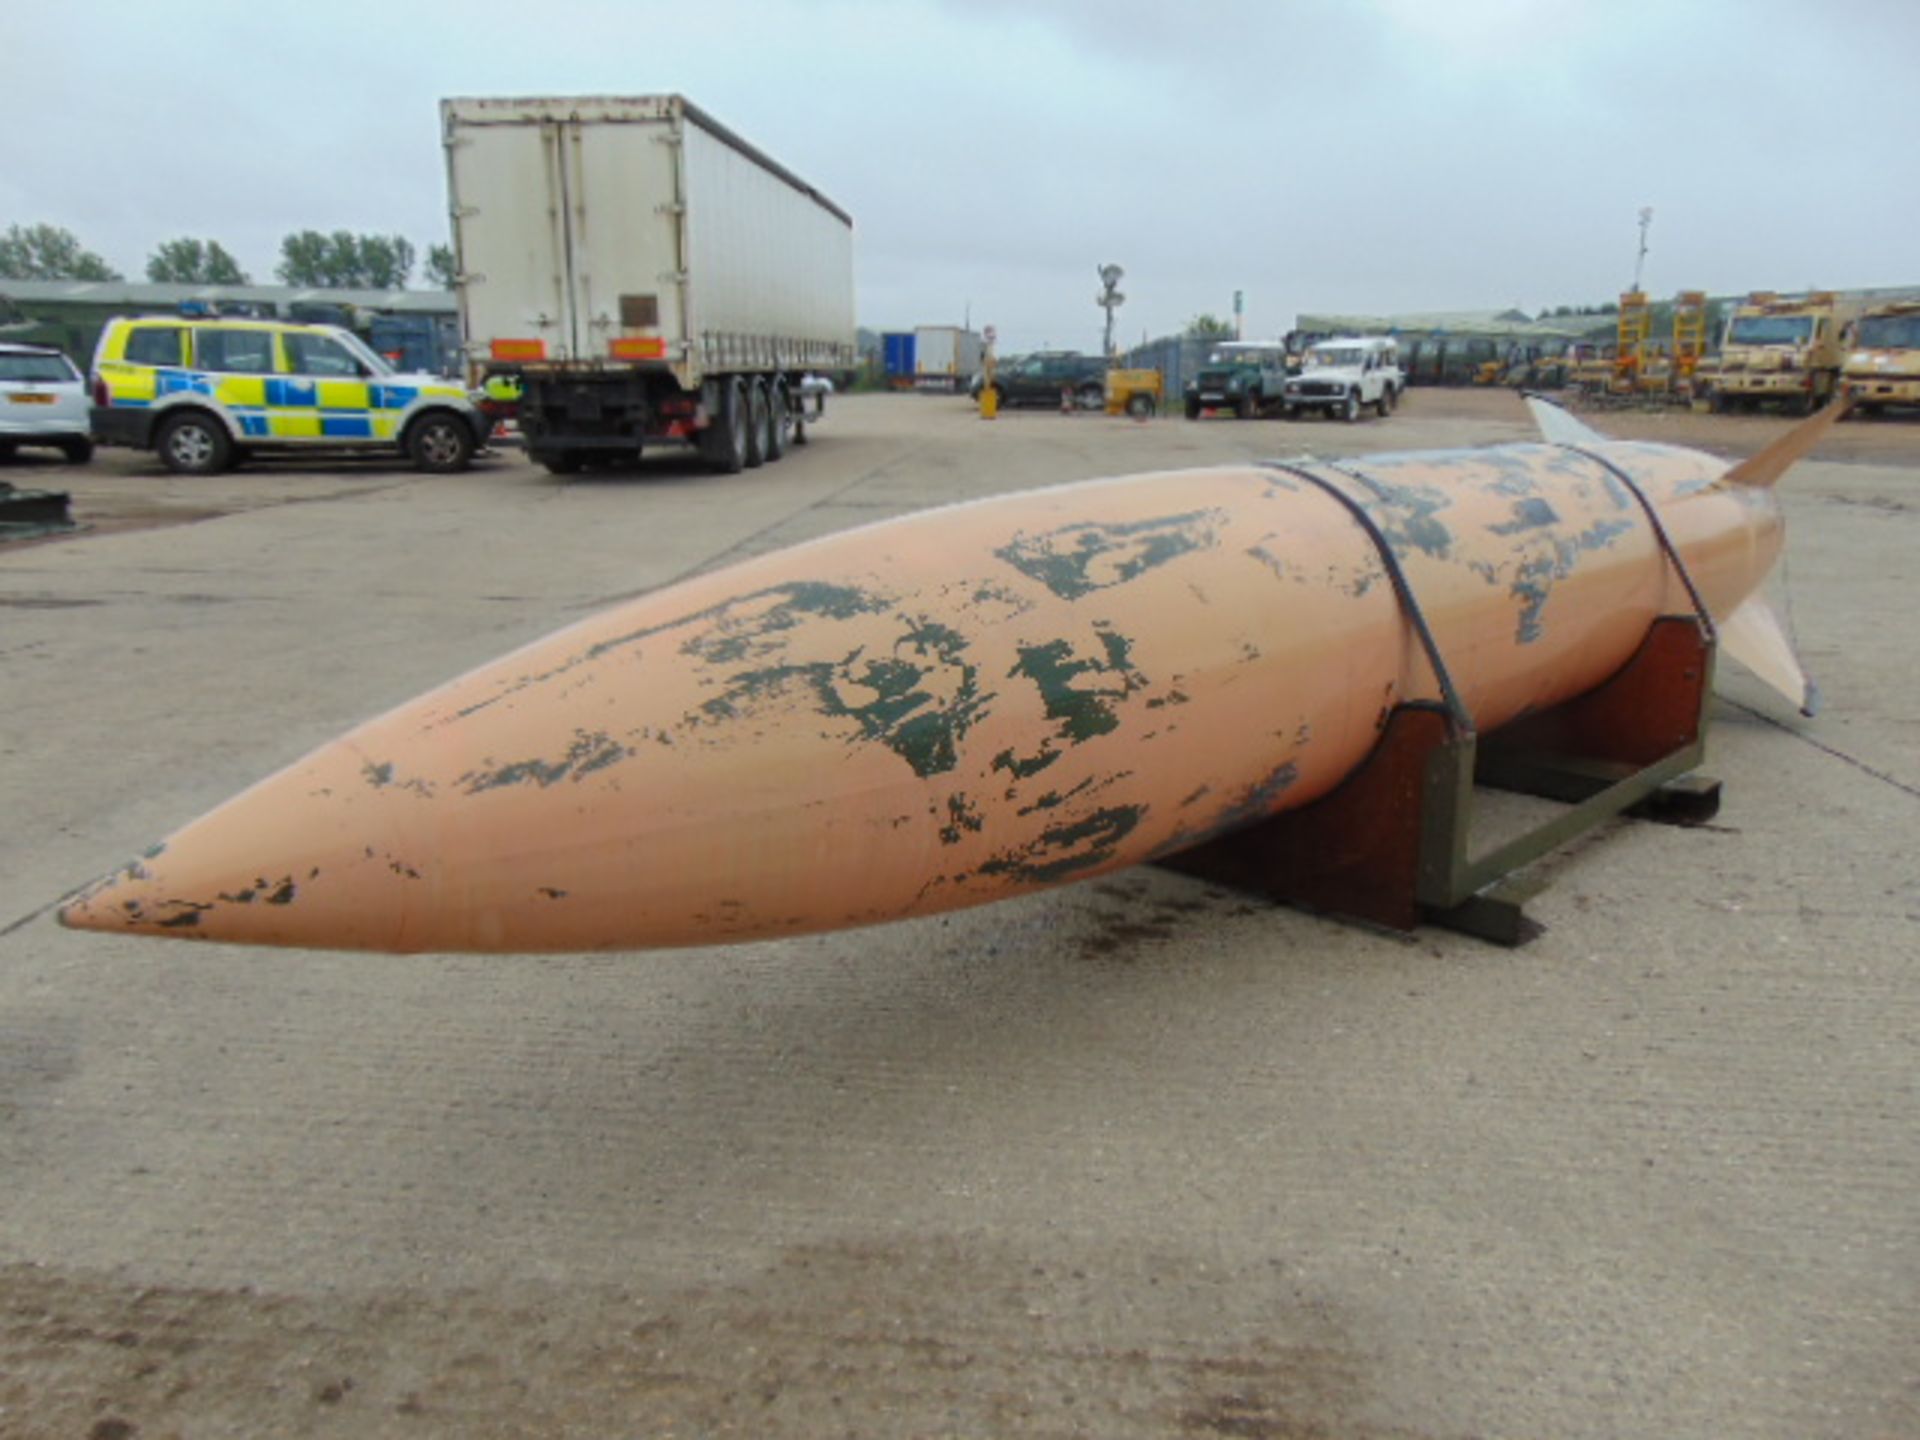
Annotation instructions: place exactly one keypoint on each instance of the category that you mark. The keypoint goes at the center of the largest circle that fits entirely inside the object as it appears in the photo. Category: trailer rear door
(624, 221)
(507, 191)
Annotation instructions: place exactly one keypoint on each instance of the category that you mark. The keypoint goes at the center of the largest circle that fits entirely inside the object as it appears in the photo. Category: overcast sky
(1367, 156)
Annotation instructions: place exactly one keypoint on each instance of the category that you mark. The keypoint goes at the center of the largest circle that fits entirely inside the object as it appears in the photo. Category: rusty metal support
(1392, 846)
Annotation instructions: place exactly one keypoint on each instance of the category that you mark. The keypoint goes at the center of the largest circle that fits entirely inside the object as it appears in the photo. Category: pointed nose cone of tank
(299, 859)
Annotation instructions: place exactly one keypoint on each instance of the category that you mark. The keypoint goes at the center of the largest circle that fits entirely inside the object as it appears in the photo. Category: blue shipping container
(899, 355)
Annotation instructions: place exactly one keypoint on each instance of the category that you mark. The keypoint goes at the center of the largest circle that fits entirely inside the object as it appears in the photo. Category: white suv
(1343, 377)
(43, 401)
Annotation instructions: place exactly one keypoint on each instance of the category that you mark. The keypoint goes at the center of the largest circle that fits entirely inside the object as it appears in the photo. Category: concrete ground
(1133, 1158)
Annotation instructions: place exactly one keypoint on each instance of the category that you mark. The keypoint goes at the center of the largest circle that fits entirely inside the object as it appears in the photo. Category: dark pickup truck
(1040, 379)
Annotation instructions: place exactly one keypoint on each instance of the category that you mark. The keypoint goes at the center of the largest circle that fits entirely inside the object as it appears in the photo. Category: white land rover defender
(1343, 377)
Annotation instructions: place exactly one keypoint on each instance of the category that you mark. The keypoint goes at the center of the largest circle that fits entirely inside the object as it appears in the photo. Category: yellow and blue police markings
(287, 407)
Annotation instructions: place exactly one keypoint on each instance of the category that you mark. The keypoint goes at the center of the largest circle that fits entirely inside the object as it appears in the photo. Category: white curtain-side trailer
(643, 274)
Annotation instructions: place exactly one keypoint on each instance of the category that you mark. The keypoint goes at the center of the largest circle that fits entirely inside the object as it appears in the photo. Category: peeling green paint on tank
(1075, 560)
(1083, 714)
(1086, 843)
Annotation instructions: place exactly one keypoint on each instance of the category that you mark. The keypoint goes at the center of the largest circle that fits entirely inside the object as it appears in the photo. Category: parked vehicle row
(1339, 377)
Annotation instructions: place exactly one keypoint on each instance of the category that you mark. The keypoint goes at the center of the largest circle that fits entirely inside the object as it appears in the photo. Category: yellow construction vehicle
(1883, 364)
(1784, 351)
(1689, 340)
(1634, 327)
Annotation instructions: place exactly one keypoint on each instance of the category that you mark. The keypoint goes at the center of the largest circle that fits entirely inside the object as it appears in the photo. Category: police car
(205, 393)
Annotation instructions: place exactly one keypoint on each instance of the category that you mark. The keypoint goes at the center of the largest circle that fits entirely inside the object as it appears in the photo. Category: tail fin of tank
(1791, 448)
(1558, 425)
(1754, 636)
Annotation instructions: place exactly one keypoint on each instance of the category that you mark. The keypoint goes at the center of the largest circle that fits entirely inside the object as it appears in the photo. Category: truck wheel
(193, 444)
(759, 421)
(439, 443)
(1140, 407)
(1193, 409)
(1091, 397)
(780, 420)
(1289, 412)
(1350, 407)
(1383, 407)
(725, 439)
(1249, 407)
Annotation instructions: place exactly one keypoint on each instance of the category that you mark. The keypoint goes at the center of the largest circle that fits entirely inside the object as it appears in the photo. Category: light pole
(1109, 299)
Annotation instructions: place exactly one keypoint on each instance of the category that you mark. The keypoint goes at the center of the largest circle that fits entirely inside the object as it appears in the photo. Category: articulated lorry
(1883, 366)
(1782, 350)
(643, 274)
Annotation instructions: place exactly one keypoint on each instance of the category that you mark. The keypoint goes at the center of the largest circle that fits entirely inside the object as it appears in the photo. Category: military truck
(1782, 351)
(1883, 365)
(1244, 377)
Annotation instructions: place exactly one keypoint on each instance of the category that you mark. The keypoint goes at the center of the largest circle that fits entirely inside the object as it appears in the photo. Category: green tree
(188, 261)
(47, 252)
(1209, 327)
(343, 246)
(344, 260)
(440, 271)
(385, 261)
(306, 258)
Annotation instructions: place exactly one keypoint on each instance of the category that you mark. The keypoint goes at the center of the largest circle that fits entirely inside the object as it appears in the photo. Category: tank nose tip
(127, 899)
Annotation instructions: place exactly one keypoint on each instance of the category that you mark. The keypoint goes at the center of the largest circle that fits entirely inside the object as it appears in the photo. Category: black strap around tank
(1701, 613)
(1402, 588)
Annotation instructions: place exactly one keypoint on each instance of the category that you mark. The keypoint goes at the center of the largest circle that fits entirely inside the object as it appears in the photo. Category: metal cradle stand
(1392, 846)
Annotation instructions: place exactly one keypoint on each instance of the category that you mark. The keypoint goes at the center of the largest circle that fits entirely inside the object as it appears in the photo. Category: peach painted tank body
(951, 707)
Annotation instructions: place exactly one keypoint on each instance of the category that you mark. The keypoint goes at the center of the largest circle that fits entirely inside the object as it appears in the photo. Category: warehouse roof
(169, 297)
(1500, 324)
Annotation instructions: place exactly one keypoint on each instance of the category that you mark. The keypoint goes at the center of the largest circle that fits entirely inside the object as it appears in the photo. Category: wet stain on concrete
(926, 1335)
